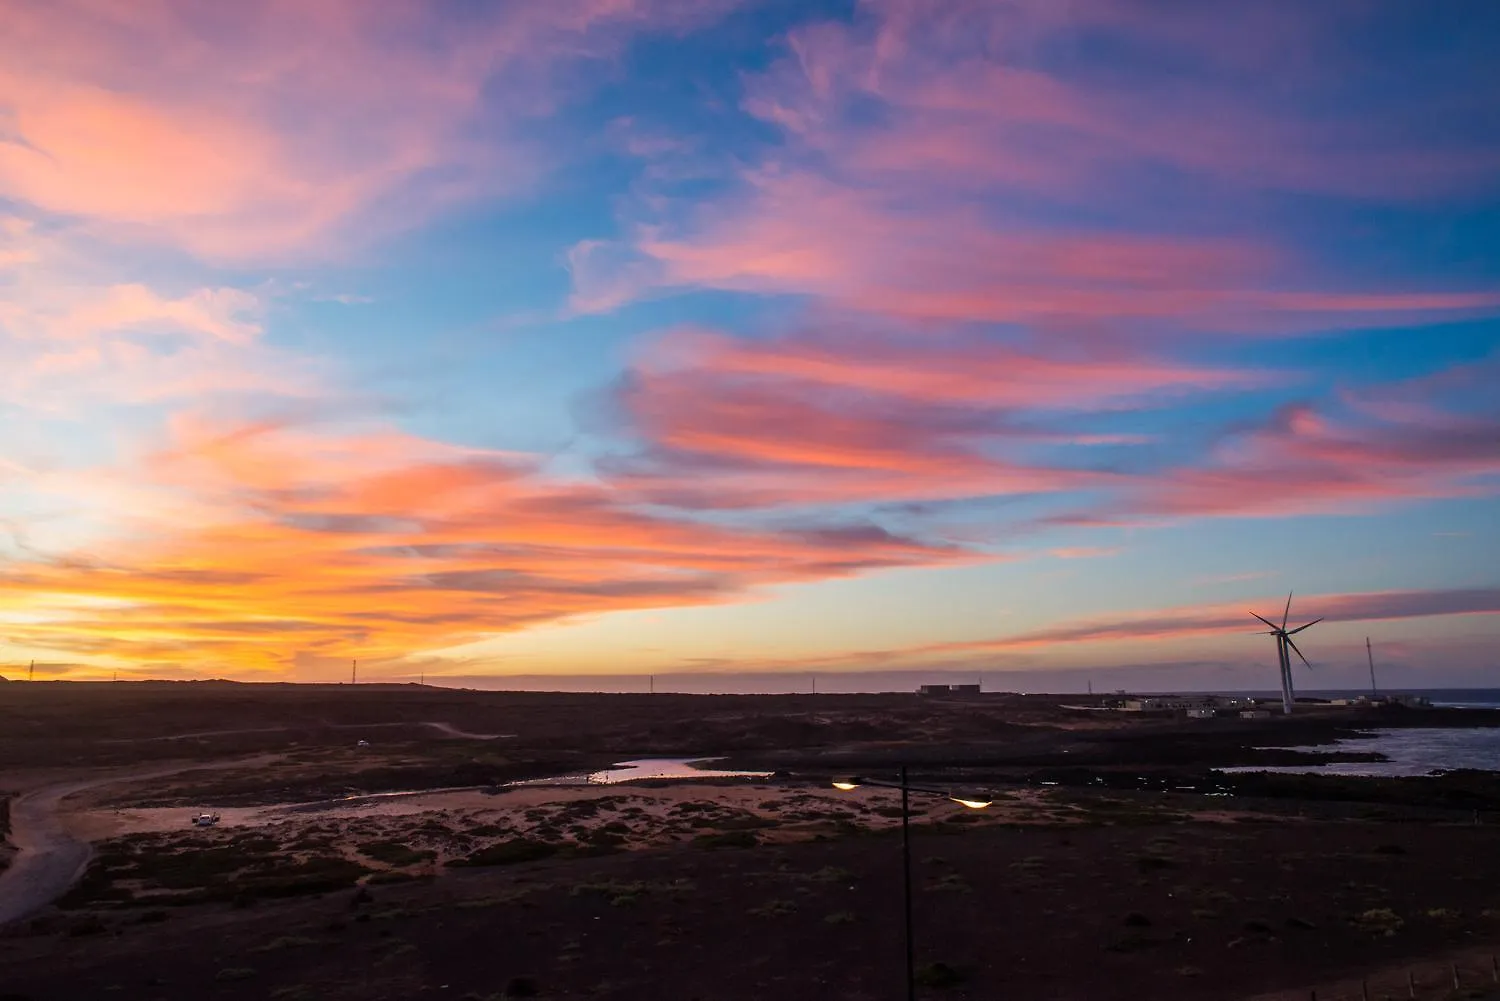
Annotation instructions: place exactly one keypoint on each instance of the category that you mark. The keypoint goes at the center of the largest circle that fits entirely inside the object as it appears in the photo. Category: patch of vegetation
(89, 925)
(1379, 920)
(618, 893)
(522, 987)
(396, 876)
(727, 839)
(231, 974)
(839, 918)
(395, 853)
(773, 908)
(1134, 942)
(508, 853)
(831, 874)
(952, 883)
(285, 942)
(939, 975)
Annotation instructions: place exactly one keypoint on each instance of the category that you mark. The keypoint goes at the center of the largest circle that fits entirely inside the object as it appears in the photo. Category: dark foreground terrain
(1114, 863)
(1187, 910)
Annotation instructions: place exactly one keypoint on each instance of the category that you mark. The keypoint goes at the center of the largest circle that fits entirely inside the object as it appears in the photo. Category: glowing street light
(971, 802)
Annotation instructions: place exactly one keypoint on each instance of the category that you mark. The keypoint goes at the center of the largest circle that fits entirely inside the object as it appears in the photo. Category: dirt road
(51, 858)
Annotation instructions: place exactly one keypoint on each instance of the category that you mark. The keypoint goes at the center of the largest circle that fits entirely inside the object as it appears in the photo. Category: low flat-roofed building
(1169, 703)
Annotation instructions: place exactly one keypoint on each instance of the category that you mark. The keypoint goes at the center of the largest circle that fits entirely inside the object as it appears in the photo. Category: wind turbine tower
(1284, 650)
(1374, 692)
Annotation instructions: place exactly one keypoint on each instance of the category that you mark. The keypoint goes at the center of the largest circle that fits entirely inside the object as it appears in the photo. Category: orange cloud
(379, 545)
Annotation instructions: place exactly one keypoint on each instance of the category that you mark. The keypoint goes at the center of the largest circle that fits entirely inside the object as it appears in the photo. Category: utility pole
(353, 672)
(1091, 686)
(652, 682)
(31, 672)
(815, 684)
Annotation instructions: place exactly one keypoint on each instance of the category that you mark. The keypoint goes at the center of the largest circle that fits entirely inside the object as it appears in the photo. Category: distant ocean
(1447, 698)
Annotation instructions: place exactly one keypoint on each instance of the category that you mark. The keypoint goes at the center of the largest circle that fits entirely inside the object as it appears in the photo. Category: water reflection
(647, 768)
(1414, 751)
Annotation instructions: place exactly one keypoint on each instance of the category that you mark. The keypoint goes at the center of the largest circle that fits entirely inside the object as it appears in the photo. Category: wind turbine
(1284, 649)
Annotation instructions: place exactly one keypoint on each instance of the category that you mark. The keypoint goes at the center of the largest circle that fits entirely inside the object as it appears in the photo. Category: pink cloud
(1305, 462)
(1177, 623)
(71, 345)
(932, 151)
(797, 233)
(273, 128)
(955, 370)
(824, 418)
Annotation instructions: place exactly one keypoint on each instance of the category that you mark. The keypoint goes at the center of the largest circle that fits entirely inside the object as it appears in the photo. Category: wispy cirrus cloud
(1191, 622)
(961, 162)
(1396, 443)
(959, 167)
(831, 418)
(1174, 623)
(271, 130)
(917, 254)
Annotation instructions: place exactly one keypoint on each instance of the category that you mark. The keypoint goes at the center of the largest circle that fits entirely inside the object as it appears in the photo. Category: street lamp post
(973, 803)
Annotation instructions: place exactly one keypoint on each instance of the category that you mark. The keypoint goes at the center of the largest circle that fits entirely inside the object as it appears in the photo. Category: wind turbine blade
(1265, 620)
(1287, 614)
(1294, 632)
(1289, 643)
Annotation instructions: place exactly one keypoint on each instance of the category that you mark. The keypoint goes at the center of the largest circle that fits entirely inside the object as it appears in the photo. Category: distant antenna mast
(1091, 686)
(353, 671)
(815, 684)
(652, 679)
(31, 672)
(1371, 655)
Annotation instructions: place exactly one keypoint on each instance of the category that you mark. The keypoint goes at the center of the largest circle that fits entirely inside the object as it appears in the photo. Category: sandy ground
(509, 809)
(54, 844)
(445, 826)
(446, 729)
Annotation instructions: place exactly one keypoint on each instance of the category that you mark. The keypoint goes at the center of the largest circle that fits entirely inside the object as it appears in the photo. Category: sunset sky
(613, 337)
